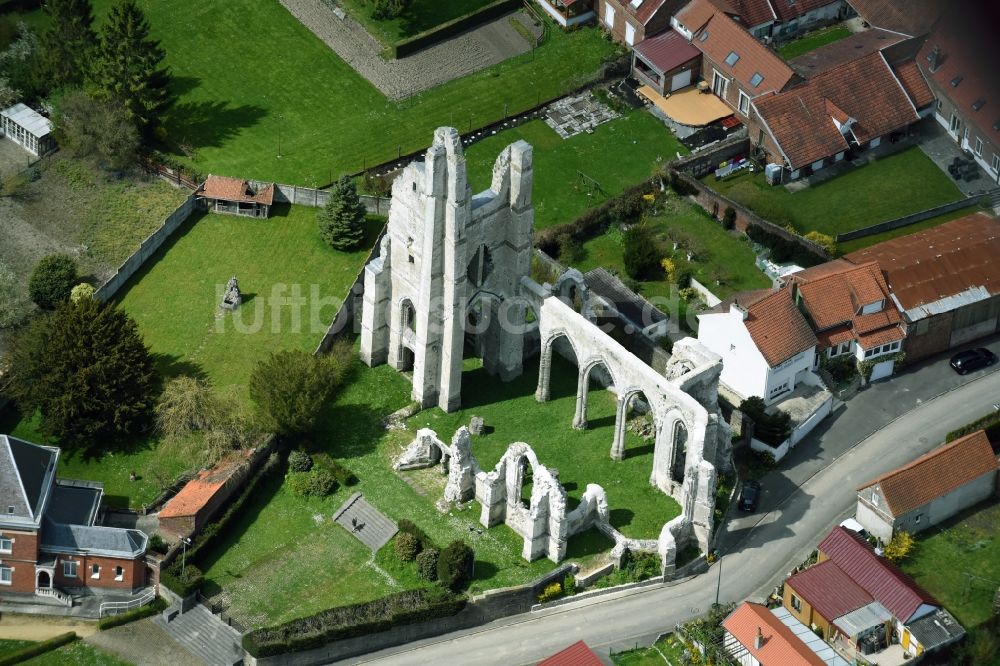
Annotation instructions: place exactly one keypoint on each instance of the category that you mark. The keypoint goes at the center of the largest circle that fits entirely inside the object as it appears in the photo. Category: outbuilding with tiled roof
(772, 637)
(235, 196)
(930, 489)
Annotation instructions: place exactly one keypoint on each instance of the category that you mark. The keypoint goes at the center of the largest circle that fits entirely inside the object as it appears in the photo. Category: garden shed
(28, 129)
(236, 196)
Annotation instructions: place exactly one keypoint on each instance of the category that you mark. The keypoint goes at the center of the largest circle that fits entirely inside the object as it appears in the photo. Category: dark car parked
(972, 359)
(749, 496)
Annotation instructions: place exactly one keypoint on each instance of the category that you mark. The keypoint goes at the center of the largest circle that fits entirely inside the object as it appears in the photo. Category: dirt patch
(40, 628)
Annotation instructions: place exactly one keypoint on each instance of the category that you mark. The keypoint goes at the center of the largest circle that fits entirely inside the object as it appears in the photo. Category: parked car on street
(972, 359)
(749, 496)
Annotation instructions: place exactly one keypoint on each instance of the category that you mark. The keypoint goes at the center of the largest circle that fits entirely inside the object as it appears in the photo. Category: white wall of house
(784, 377)
(744, 370)
(946, 506)
(875, 519)
(738, 651)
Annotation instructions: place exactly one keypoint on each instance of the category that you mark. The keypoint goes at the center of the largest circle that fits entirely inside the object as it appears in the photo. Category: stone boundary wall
(453, 28)
(317, 198)
(716, 204)
(907, 220)
(707, 159)
(600, 592)
(711, 300)
(146, 249)
(481, 609)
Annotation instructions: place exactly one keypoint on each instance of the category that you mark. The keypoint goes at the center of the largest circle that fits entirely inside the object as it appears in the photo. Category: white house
(930, 489)
(767, 347)
(28, 129)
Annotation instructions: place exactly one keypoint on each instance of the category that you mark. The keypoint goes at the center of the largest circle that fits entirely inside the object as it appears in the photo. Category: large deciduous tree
(127, 69)
(342, 220)
(85, 126)
(86, 370)
(68, 45)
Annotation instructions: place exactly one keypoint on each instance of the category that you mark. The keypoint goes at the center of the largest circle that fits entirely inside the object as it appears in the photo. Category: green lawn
(618, 154)
(813, 41)
(422, 15)
(967, 544)
(718, 253)
(888, 188)
(240, 91)
(175, 302)
(9, 645)
(665, 651)
(77, 653)
(280, 562)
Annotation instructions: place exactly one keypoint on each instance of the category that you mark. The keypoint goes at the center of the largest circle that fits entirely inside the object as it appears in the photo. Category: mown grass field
(619, 153)
(77, 653)
(886, 189)
(421, 15)
(240, 90)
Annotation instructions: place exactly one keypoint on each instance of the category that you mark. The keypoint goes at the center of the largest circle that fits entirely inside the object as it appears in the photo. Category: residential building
(796, 16)
(912, 18)
(758, 636)
(201, 498)
(28, 129)
(631, 21)
(851, 107)
(929, 490)
(577, 654)
(236, 196)
(817, 596)
(738, 68)
(50, 544)
(569, 13)
(945, 281)
(766, 345)
(851, 312)
(666, 62)
(958, 60)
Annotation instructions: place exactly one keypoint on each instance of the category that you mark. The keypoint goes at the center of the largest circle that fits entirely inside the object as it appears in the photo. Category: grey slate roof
(26, 473)
(629, 304)
(108, 541)
(936, 630)
(73, 505)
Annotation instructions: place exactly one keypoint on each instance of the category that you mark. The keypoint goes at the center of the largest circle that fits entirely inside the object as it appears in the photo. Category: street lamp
(718, 584)
(185, 542)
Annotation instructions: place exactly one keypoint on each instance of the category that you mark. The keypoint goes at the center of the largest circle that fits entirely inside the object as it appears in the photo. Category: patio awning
(688, 106)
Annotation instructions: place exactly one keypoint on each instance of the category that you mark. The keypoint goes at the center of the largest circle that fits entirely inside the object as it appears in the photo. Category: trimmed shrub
(159, 604)
(26, 653)
(427, 562)
(569, 585)
(158, 545)
(407, 546)
(317, 482)
(990, 423)
(299, 461)
(52, 280)
(729, 218)
(81, 291)
(343, 622)
(641, 256)
(408, 526)
(184, 582)
(454, 568)
(771, 429)
(551, 591)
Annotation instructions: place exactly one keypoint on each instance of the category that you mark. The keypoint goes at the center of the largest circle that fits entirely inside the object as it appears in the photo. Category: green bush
(159, 604)
(408, 526)
(356, 620)
(299, 461)
(784, 250)
(158, 545)
(990, 423)
(344, 476)
(317, 482)
(182, 582)
(427, 562)
(569, 585)
(642, 254)
(26, 653)
(679, 185)
(454, 568)
(52, 280)
(407, 546)
(551, 591)
(771, 429)
(729, 218)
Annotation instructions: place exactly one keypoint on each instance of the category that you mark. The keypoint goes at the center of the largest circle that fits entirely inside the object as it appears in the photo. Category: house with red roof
(666, 62)
(766, 344)
(755, 635)
(201, 498)
(235, 196)
(577, 654)
(569, 13)
(929, 490)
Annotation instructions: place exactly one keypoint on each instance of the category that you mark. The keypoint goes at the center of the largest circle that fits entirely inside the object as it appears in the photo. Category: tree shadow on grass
(348, 431)
(171, 365)
(212, 124)
(484, 570)
(620, 518)
(587, 543)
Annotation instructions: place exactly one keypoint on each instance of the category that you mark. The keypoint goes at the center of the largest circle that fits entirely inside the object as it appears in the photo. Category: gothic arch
(542, 393)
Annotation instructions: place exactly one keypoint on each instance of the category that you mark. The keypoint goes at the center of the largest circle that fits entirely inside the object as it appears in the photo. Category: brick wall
(133, 573)
(21, 559)
(936, 337)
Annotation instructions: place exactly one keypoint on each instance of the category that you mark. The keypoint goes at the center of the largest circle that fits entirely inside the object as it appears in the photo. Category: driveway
(800, 505)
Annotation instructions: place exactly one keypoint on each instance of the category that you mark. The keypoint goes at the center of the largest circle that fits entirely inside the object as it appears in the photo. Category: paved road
(800, 504)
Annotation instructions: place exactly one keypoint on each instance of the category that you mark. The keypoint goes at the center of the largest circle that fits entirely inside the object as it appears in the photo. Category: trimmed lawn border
(813, 41)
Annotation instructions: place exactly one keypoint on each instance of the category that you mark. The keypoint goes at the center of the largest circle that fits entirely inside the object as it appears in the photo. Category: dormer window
(756, 79)
(703, 36)
(732, 58)
(955, 81)
(978, 104)
(874, 498)
(875, 306)
(10, 509)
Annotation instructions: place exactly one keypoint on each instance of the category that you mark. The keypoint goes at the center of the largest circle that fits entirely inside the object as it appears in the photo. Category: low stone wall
(453, 27)
(907, 220)
(711, 300)
(317, 198)
(146, 249)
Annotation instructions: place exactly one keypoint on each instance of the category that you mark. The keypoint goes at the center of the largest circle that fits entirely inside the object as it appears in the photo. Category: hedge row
(990, 423)
(784, 250)
(26, 653)
(356, 620)
(441, 32)
(158, 605)
(182, 580)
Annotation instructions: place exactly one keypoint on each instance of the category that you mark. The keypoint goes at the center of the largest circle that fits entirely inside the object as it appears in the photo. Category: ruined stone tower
(450, 270)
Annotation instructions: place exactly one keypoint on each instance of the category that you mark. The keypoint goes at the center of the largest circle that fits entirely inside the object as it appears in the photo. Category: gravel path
(144, 643)
(467, 53)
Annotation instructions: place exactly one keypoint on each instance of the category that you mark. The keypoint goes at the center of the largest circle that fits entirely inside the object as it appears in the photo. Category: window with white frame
(95, 571)
(6, 575)
(779, 389)
(979, 147)
(6, 545)
(720, 84)
(744, 103)
(69, 569)
(119, 574)
(796, 603)
(874, 498)
(996, 163)
(609, 16)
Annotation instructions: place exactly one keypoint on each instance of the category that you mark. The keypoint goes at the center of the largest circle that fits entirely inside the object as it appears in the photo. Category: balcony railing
(119, 607)
(52, 592)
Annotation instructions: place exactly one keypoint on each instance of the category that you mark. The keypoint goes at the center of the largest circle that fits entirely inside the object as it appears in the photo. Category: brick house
(929, 490)
(201, 498)
(631, 21)
(569, 13)
(755, 635)
(235, 196)
(666, 63)
(945, 281)
(49, 542)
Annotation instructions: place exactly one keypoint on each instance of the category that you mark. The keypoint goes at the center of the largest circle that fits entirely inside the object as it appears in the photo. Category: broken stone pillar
(232, 298)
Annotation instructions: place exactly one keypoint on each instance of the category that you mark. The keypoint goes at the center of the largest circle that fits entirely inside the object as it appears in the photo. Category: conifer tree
(341, 221)
(69, 43)
(127, 68)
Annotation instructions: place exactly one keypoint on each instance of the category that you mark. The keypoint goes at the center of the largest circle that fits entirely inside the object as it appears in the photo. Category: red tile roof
(198, 492)
(722, 36)
(667, 50)
(914, 83)
(937, 473)
(695, 14)
(829, 590)
(946, 260)
(780, 647)
(236, 189)
(865, 89)
(577, 654)
(899, 593)
(910, 17)
(755, 12)
(834, 301)
(645, 11)
(777, 327)
(844, 50)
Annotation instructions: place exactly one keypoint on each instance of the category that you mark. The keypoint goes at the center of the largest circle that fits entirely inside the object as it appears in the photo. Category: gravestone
(232, 299)
(477, 426)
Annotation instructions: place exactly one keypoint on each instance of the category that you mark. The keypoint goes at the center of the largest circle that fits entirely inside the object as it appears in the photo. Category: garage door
(680, 80)
(882, 370)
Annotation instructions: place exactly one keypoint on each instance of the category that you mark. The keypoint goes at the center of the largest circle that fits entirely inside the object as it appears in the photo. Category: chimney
(738, 309)
(758, 640)
(934, 58)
